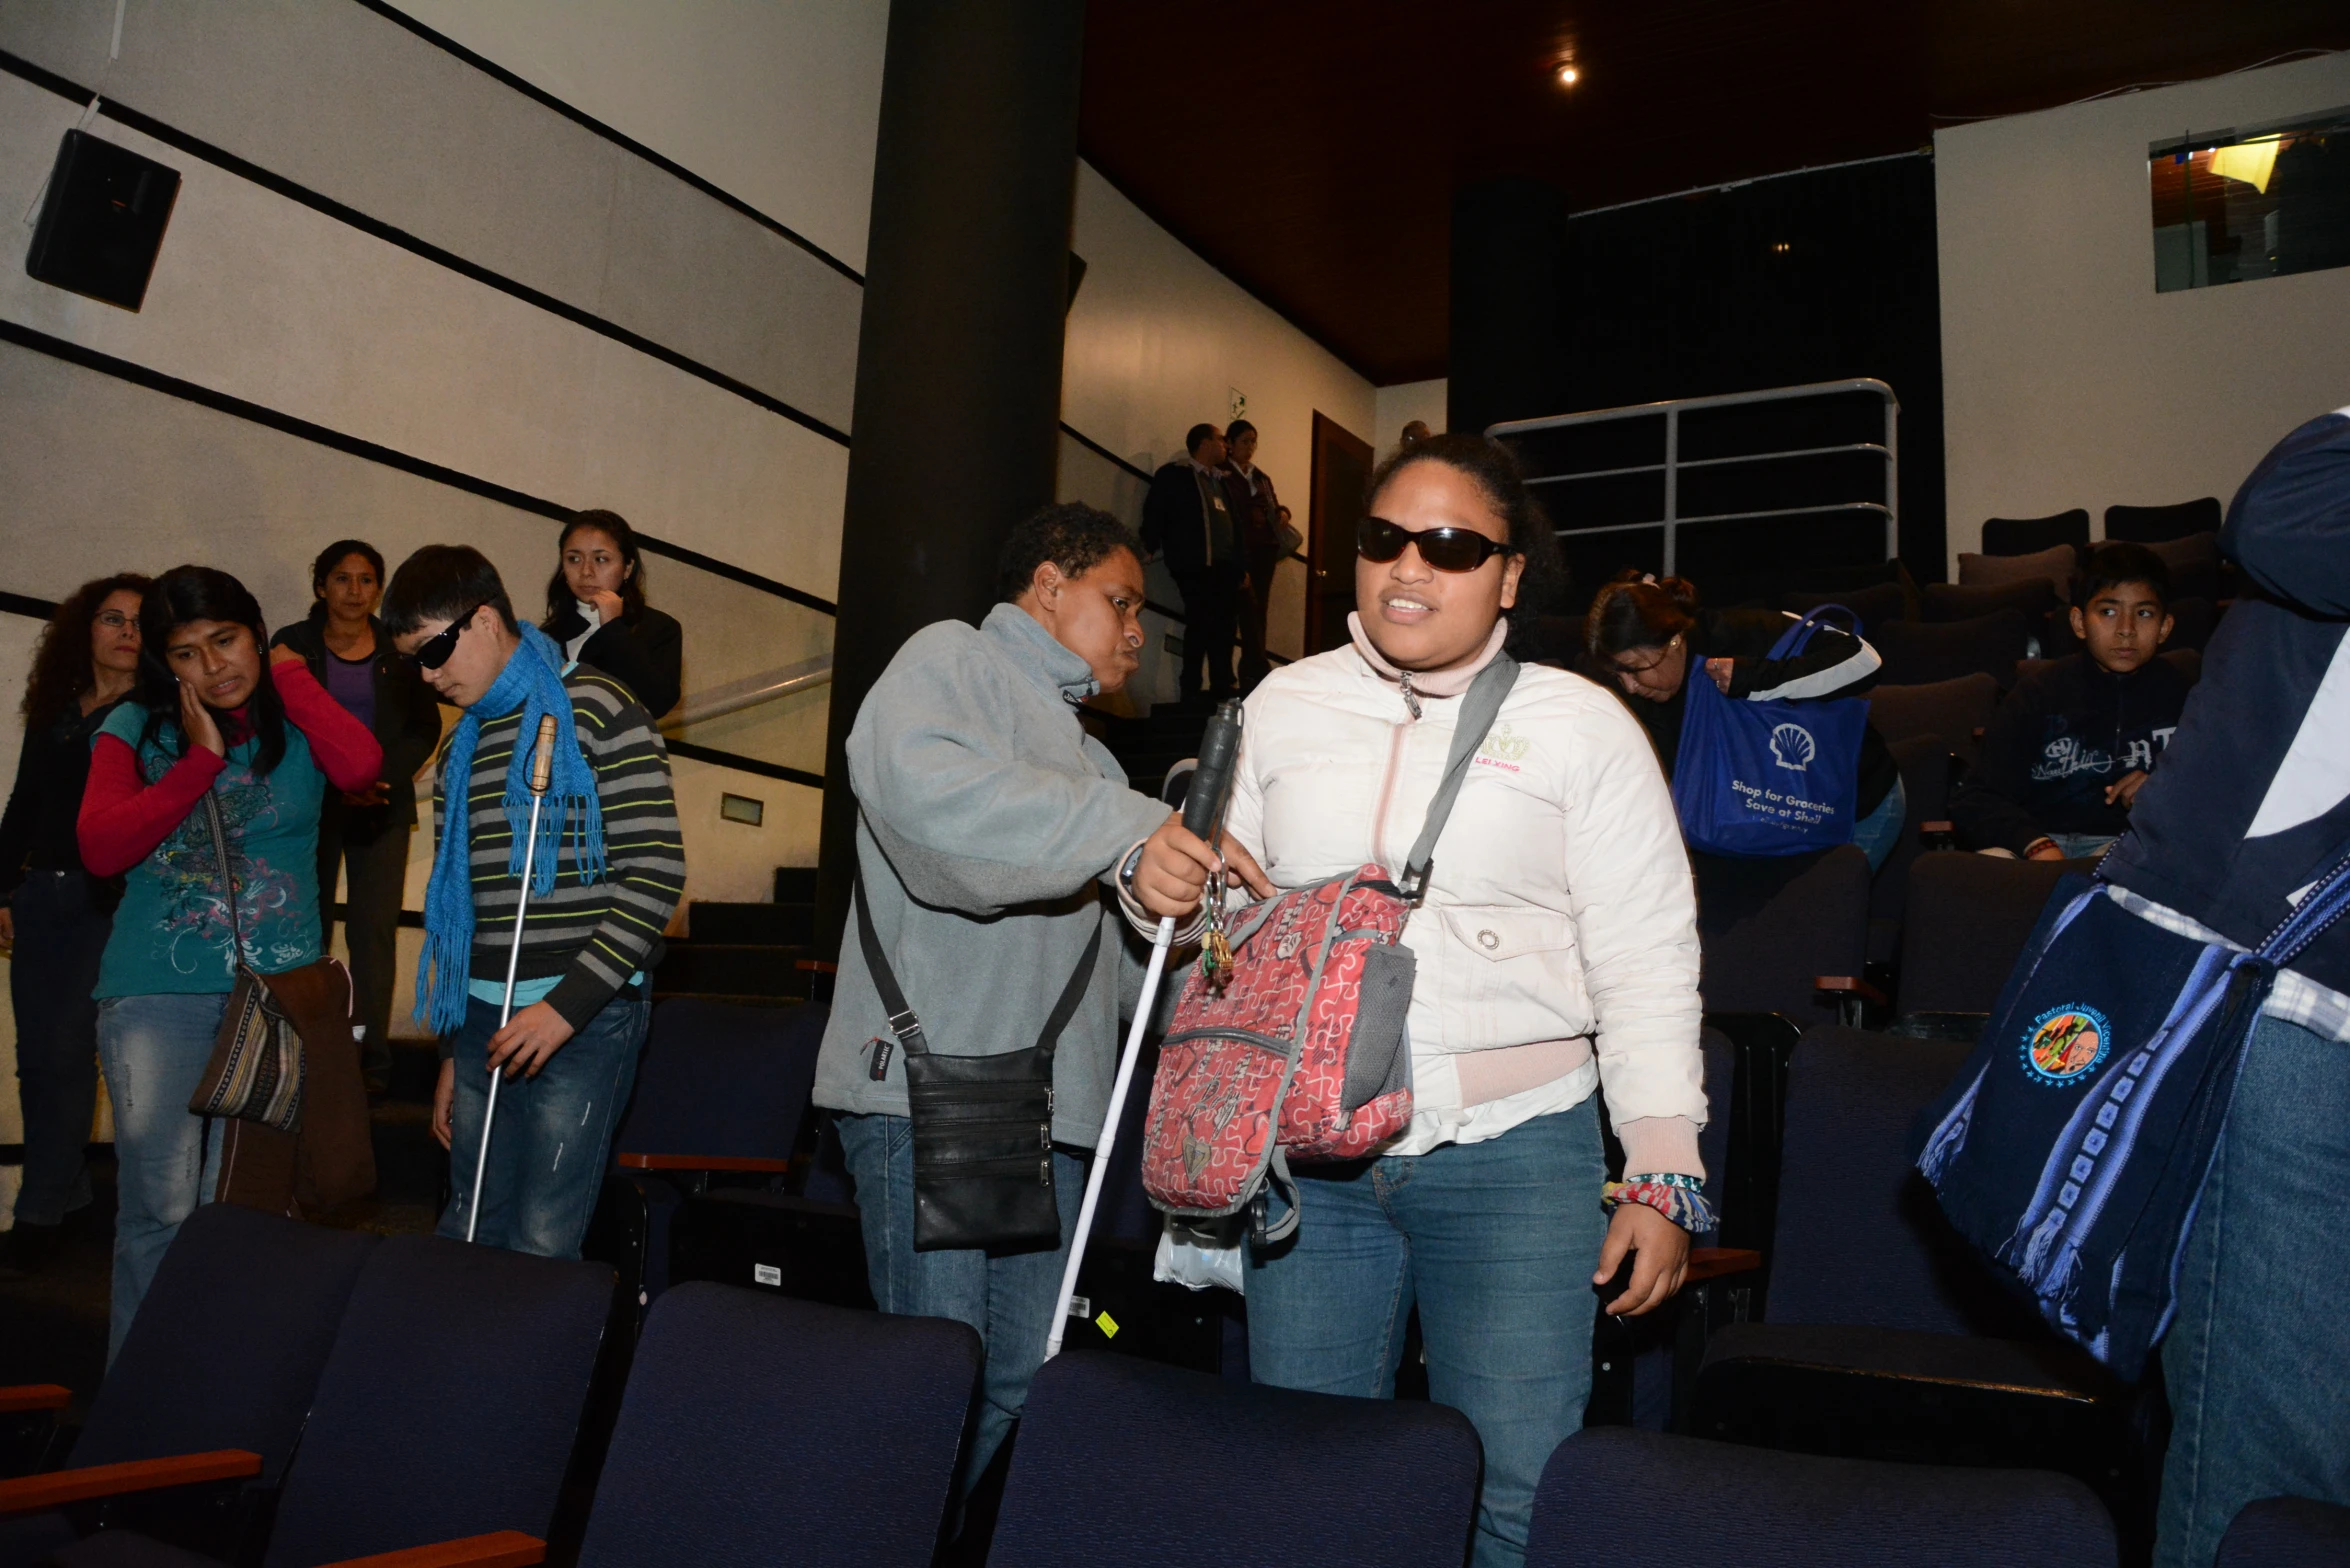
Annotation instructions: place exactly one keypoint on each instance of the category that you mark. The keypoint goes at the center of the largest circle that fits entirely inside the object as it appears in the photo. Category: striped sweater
(594, 935)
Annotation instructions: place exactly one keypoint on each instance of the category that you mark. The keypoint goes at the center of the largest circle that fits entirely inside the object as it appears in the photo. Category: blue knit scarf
(533, 682)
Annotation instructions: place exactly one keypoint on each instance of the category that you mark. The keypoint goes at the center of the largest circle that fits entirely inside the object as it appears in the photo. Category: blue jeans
(2082, 846)
(2259, 1403)
(154, 1049)
(1879, 832)
(1008, 1298)
(553, 1134)
(1496, 1242)
(59, 940)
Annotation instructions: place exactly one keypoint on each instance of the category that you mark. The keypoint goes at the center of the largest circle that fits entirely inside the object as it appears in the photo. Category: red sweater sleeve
(123, 817)
(347, 751)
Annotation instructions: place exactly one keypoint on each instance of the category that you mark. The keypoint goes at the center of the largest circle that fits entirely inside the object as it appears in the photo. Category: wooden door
(1341, 494)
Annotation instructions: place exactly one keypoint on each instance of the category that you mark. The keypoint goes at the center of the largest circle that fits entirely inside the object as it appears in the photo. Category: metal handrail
(750, 691)
(1671, 410)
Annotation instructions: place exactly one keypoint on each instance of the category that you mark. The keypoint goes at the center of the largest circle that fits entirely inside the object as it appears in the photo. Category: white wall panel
(2066, 380)
(1157, 342)
(263, 298)
(775, 101)
(358, 108)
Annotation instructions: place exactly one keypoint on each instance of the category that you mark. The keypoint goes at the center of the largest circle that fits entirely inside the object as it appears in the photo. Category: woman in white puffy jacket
(1557, 951)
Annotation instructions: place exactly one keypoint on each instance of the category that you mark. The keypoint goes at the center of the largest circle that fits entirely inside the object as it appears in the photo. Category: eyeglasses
(434, 651)
(115, 620)
(1445, 549)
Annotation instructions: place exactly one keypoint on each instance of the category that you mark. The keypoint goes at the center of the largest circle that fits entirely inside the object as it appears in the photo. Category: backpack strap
(908, 1028)
(1797, 637)
(1479, 708)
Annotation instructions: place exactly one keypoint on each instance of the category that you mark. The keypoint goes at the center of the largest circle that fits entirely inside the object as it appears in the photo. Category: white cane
(542, 766)
(1202, 808)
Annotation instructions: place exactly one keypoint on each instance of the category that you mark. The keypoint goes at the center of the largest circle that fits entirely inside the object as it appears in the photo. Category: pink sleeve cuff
(1661, 1144)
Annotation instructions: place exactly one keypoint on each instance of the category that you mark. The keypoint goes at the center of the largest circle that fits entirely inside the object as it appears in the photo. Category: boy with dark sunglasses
(607, 872)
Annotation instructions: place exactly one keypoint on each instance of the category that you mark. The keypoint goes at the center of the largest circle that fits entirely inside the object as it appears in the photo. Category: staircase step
(770, 925)
(795, 884)
(734, 969)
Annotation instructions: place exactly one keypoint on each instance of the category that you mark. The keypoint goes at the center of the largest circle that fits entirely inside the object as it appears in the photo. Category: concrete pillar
(957, 416)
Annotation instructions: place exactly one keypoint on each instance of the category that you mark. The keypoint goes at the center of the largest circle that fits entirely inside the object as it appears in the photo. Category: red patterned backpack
(1301, 1053)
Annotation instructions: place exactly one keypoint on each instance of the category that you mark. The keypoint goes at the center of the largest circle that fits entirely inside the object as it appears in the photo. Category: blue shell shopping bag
(1768, 778)
(2072, 1146)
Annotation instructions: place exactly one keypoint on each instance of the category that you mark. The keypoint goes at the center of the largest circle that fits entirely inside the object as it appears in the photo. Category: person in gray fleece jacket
(991, 829)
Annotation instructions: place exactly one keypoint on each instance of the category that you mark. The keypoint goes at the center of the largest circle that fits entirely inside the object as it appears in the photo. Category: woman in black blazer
(596, 609)
(366, 835)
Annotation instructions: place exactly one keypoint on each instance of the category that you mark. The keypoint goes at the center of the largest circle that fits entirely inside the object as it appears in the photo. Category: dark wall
(1693, 296)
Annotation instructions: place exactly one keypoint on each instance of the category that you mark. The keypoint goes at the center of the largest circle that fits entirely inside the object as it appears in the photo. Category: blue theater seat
(1125, 1461)
(1614, 1498)
(761, 1429)
(225, 1354)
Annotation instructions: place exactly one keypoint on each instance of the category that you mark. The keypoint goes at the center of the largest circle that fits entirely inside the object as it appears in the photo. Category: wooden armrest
(498, 1549)
(1937, 827)
(817, 966)
(34, 1396)
(1716, 1262)
(1847, 985)
(59, 1487)
(702, 1162)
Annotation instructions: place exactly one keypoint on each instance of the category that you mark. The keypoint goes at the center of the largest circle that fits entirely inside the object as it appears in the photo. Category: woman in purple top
(366, 834)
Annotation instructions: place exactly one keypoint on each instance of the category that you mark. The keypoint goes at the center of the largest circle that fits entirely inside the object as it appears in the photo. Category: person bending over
(2065, 755)
(1649, 638)
(607, 872)
(990, 825)
(1556, 952)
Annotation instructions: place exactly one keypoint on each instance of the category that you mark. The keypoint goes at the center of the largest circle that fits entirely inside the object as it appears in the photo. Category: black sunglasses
(434, 651)
(1445, 549)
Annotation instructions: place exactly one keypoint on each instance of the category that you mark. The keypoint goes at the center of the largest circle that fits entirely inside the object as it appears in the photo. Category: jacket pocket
(1520, 977)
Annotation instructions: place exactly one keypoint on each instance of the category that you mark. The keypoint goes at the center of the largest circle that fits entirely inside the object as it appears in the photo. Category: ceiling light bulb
(1569, 76)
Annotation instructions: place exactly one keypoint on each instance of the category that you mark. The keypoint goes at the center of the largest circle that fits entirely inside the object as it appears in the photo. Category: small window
(2231, 206)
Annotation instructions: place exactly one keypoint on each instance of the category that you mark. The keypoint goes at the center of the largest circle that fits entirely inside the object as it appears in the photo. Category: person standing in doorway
(1257, 512)
(54, 916)
(1187, 518)
(606, 875)
(596, 611)
(363, 834)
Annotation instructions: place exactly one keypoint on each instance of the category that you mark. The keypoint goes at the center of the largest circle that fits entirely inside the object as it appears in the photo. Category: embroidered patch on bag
(2066, 1042)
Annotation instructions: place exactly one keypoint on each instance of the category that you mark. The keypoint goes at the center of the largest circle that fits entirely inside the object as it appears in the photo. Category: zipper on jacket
(1395, 743)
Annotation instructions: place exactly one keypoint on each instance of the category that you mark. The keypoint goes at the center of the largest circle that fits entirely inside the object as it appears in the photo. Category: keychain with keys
(1216, 951)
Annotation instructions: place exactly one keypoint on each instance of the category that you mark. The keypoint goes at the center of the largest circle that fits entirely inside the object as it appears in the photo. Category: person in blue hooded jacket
(2250, 805)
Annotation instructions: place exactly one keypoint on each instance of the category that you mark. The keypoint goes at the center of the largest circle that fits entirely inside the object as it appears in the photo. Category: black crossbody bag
(983, 1125)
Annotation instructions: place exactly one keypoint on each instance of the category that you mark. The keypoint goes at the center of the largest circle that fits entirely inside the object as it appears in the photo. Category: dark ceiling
(1309, 149)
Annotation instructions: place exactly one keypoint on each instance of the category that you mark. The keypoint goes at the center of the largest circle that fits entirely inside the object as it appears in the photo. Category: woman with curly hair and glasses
(54, 915)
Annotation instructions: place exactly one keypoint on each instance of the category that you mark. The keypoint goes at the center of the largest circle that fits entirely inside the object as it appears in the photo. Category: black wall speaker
(102, 221)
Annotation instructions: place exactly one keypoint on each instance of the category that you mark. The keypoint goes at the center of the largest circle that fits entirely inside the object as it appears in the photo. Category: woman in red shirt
(208, 716)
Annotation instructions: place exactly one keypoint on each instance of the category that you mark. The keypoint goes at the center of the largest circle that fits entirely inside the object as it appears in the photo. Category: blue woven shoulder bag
(2073, 1146)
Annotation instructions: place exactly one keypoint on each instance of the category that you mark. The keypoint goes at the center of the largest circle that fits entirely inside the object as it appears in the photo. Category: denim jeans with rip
(154, 1049)
(551, 1136)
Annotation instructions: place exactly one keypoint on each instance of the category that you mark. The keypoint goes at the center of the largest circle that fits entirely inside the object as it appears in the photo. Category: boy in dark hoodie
(2065, 755)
